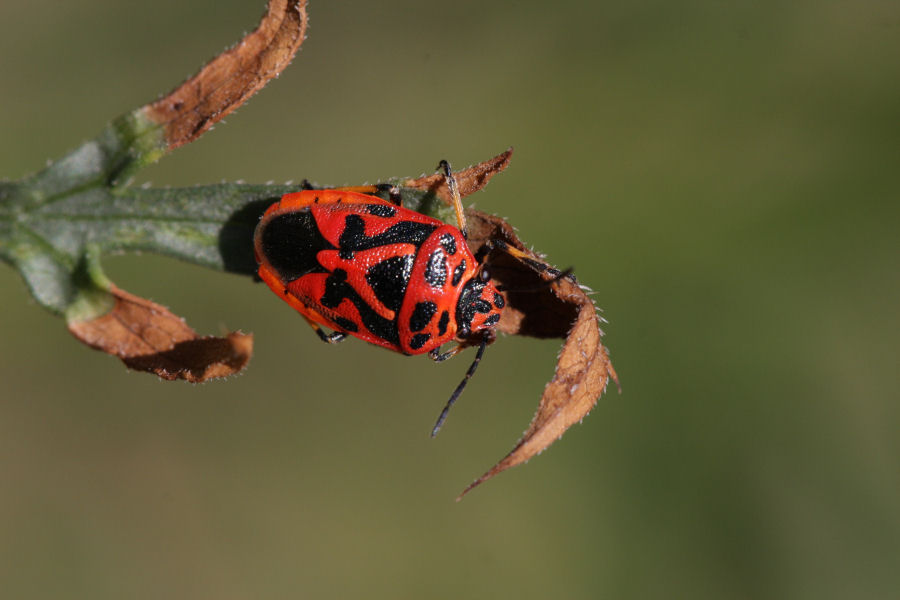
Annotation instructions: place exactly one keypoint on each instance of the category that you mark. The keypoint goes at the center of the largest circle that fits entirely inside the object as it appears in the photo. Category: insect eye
(484, 275)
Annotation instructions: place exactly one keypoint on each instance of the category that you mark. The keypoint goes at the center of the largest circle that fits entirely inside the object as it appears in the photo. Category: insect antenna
(544, 284)
(462, 385)
(523, 257)
(455, 197)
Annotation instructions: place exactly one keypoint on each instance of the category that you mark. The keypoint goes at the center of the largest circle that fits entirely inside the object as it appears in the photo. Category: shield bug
(367, 267)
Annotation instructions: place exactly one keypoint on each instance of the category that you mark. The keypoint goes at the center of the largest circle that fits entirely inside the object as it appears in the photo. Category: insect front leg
(437, 357)
(329, 338)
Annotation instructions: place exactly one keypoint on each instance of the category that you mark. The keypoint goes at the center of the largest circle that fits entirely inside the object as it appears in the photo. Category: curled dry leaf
(147, 337)
(558, 310)
(469, 180)
(562, 309)
(533, 308)
(231, 78)
(583, 370)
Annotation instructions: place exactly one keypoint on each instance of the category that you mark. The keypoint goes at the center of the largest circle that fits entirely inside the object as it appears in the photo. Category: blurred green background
(724, 175)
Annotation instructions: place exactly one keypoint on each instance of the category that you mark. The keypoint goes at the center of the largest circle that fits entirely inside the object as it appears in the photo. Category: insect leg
(436, 355)
(330, 338)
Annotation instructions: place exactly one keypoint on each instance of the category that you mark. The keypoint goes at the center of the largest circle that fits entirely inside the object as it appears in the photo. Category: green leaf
(47, 229)
(48, 221)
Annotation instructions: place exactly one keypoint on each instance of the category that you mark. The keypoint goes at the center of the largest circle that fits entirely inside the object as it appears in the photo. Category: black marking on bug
(436, 269)
(346, 254)
(469, 297)
(381, 210)
(337, 289)
(346, 324)
(442, 323)
(492, 320)
(499, 302)
(448, 243)
(458, 273)
(482, 306)
(422, 315)
(419, 340)
(354, 237)
(290, 242)
(389, 280)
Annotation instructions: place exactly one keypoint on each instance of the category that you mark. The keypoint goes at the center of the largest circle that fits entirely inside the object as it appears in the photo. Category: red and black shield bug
(388, 275)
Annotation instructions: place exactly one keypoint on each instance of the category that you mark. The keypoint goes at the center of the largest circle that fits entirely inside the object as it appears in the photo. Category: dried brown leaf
(533, 308)
(148, 337)
(231, 78)
(582, 373)
(537, 309)
(469, 180)
(199, 359)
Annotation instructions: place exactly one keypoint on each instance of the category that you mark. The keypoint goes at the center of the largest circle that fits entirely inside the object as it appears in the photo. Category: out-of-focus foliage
(723, 175)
